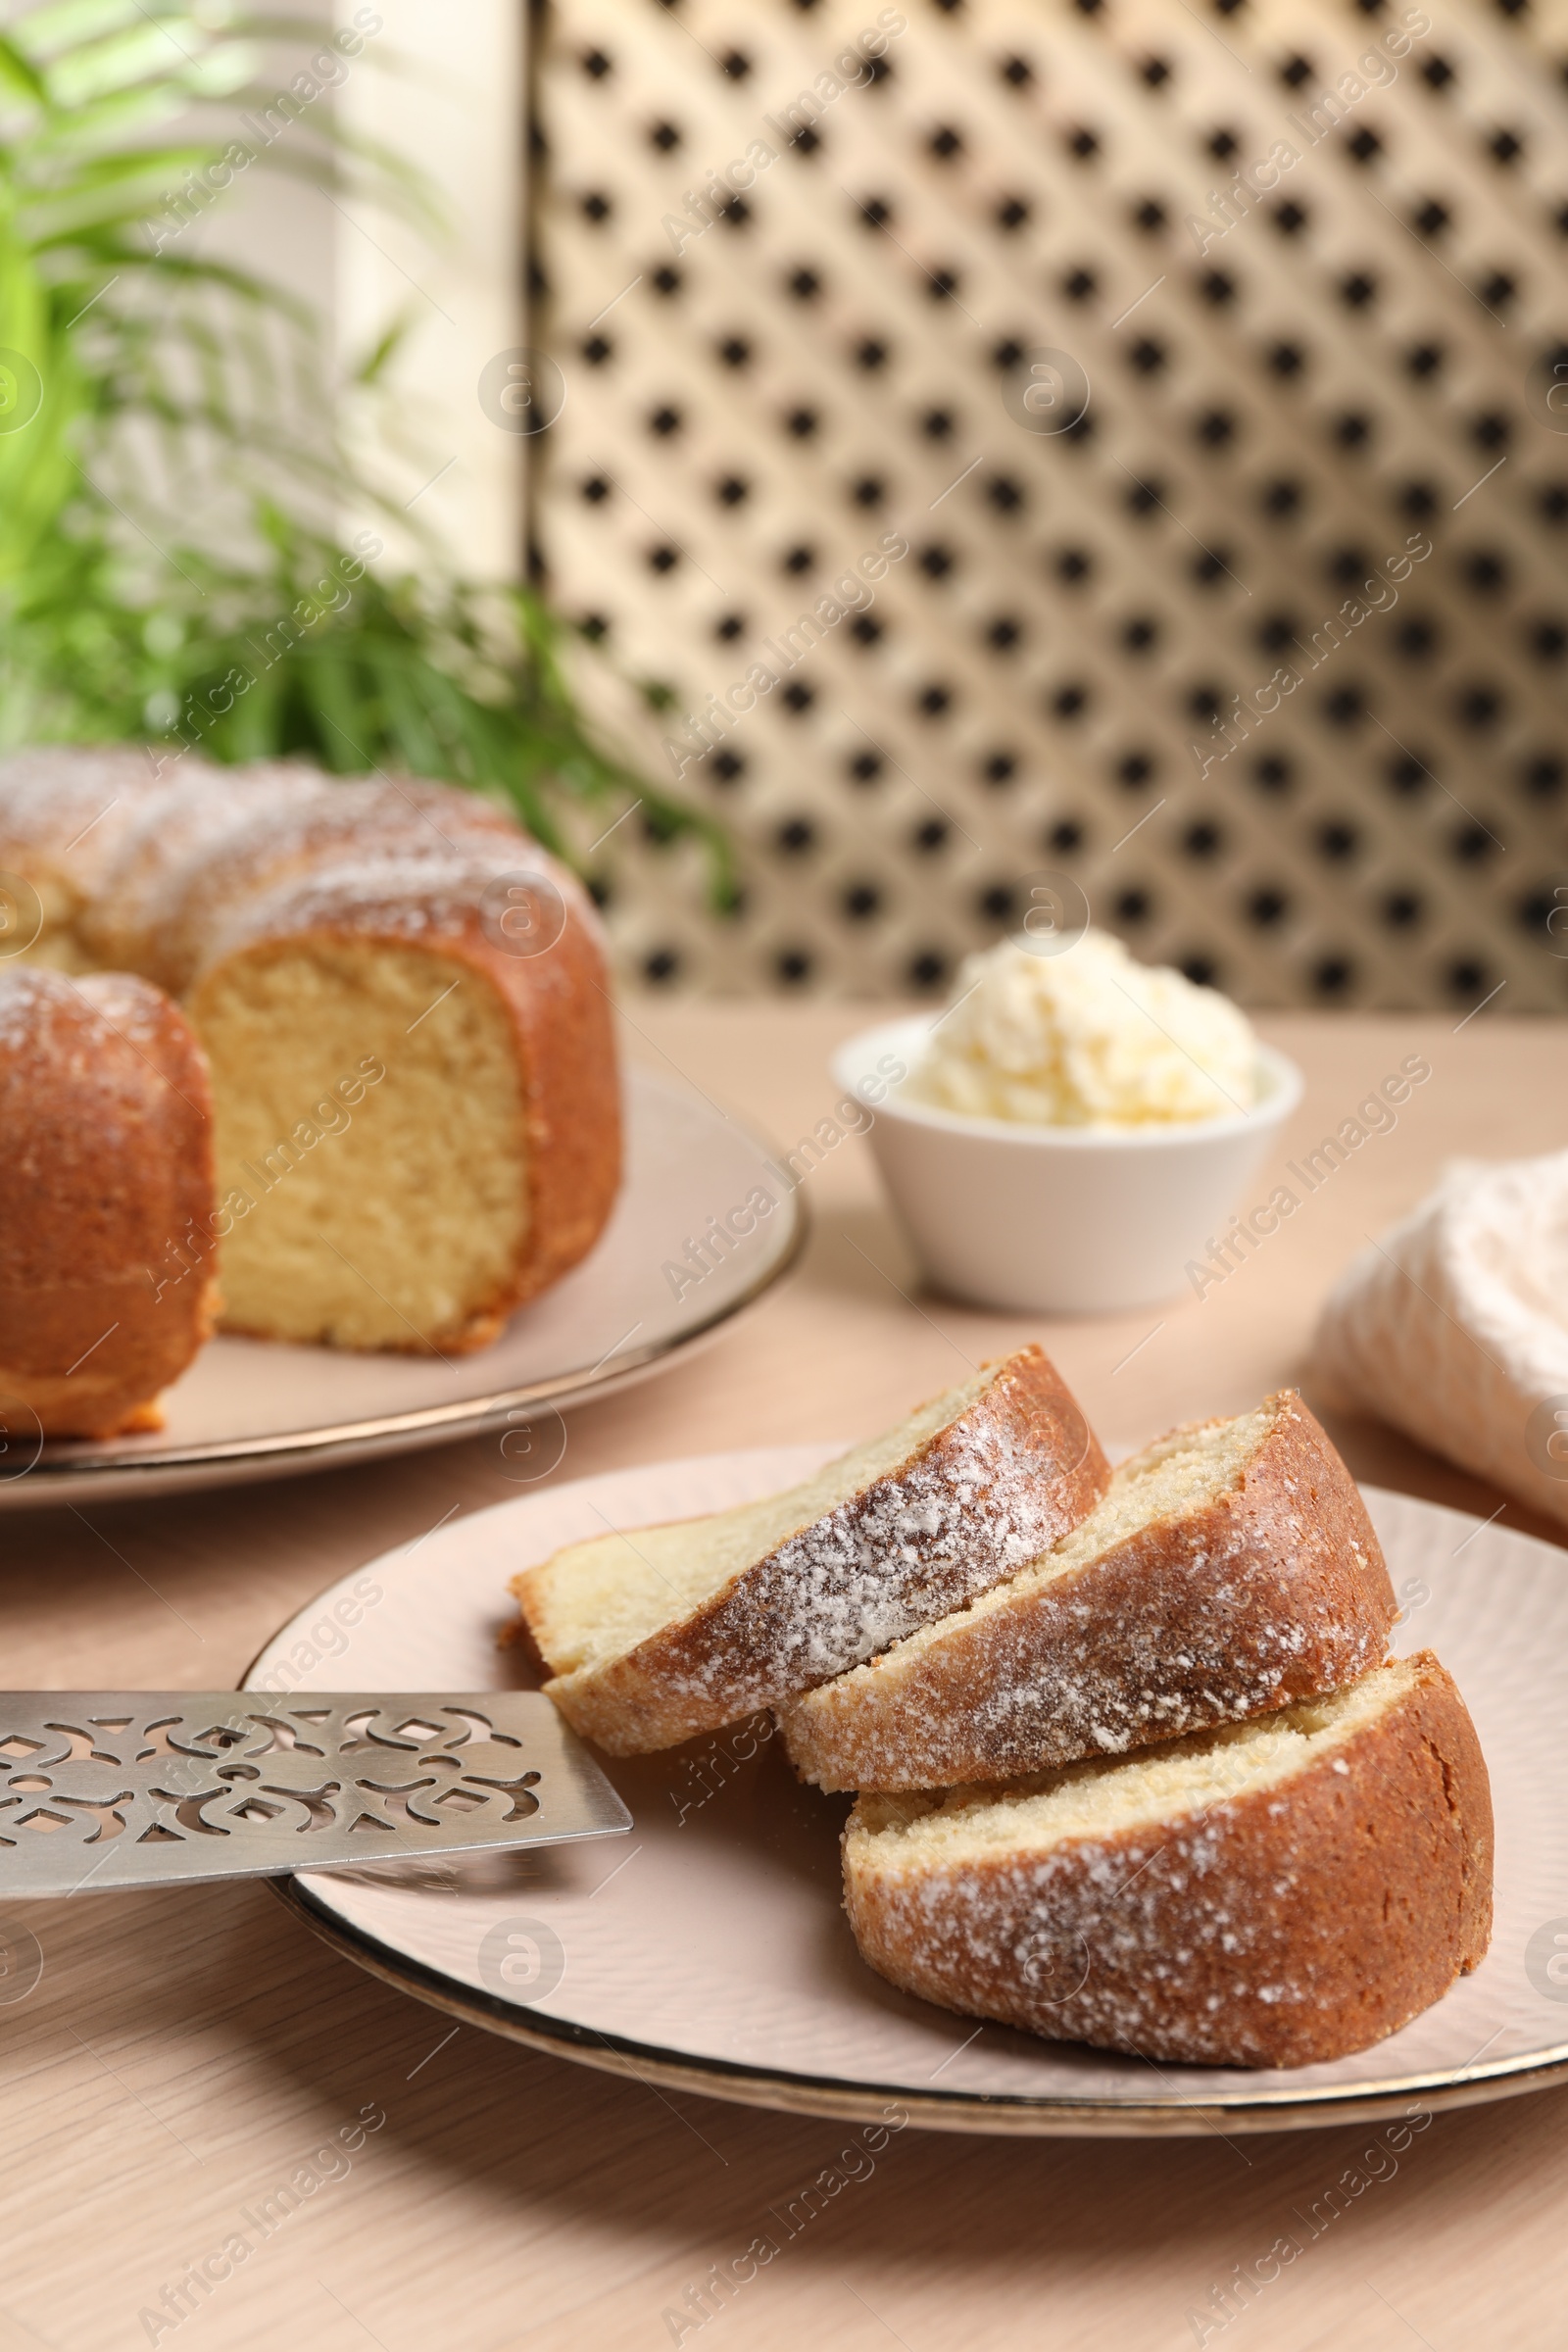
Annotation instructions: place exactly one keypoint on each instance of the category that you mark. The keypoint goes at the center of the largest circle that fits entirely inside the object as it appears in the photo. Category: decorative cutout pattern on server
(1109, 438)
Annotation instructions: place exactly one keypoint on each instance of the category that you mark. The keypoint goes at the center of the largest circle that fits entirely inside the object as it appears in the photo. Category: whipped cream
(1087, 1038)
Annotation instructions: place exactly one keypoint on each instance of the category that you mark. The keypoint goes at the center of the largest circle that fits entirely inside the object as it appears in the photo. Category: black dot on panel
(729, 628)
(795, 836)
(595, 64)
(1203, 839)
(595, 207)
(1135, 769)
(866, 767)
(871, 354)
(934, 700)
(662, 965)
(793, 965)
(1478, 708)
(1141, 634)
(1542, 777)
(665, 280)
(1004, 494)
(1357, 290)
(936, 561)
(664, 137)
(1203, 972)
(999, 767)
(728, 767)
(864, 631)
(1073, 565)
(1267, 907)
(1294, 70)
(798, 559)
(597, 350)
(928, 969)
(1147, 356)
(1332, 975)
(1273, 774)
(937, 424)
(931, 835)
(662, 558)
(1017, 72)
(595, 489)
(1012, 212)
(1216, 288)
(1467, 978)
(1289, 219)
(798, 697)
(1416, 637)
(1132, 906)
(1400, 909)
(735, 351)
(1436, 71)
(802, 423)
(1472, 844)
(1364, 144)
(860, 900)
(1151, 215)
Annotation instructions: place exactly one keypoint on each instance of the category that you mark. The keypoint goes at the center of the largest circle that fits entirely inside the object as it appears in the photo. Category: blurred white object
(1058, 1221)
(1454, 1326)
(1073, 1032)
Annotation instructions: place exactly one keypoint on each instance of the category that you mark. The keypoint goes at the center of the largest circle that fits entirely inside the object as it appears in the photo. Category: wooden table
(184, 2053)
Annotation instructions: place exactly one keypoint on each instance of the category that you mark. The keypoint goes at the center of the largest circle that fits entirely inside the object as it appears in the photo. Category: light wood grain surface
(184, 2053)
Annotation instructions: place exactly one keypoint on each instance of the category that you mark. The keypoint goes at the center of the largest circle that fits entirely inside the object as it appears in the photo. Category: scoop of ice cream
(1087, 1038)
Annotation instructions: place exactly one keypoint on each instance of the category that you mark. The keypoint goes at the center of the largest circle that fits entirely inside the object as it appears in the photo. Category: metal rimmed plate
(250, 1409)
(713, 1952)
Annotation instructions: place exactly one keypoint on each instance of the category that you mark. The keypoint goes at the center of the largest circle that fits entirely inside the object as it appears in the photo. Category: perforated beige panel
(1359, 365)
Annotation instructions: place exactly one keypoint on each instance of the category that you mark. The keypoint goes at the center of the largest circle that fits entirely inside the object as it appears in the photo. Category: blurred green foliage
(142, 383)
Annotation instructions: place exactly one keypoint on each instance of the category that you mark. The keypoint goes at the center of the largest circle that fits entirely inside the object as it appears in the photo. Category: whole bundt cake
(403, 1005)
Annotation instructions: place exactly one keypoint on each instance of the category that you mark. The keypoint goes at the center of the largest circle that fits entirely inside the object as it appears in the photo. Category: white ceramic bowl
(1062, 1220)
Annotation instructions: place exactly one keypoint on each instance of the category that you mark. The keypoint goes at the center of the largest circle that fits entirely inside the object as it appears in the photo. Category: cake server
(113, 1788)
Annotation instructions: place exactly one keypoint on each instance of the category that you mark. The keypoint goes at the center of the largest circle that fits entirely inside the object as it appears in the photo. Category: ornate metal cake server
(108, 1788)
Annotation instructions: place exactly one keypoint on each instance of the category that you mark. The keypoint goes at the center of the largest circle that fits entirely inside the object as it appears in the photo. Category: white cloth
(1454, 1326)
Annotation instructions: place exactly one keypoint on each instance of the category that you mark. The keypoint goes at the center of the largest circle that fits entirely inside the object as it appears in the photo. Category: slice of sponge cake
(657, 1634)
(1275, 1893)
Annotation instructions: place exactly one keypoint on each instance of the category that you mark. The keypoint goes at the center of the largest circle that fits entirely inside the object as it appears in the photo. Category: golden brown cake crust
(1013, 1472)
(1270, 1593)
(106, 1200)
(1289, 1925)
